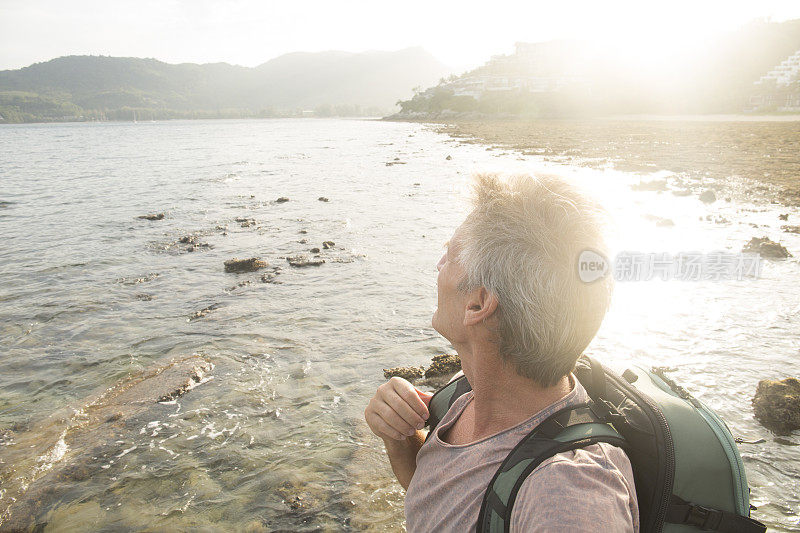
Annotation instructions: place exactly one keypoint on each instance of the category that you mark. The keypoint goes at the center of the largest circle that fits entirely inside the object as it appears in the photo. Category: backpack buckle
(703, 517)
(610, 413)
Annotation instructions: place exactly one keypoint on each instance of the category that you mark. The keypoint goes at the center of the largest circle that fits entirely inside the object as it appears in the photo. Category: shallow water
(275, 440)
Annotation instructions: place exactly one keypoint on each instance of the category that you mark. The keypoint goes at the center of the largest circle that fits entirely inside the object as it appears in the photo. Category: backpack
(686, 466)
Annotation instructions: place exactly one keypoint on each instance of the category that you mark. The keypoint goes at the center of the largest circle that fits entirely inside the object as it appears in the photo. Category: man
(512, 305)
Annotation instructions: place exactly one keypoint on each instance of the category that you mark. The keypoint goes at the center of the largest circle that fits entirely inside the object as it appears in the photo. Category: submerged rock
(766, 248)
(269, 277)
(152, 216)
(245, 265)
(322, 199)
(791, 229)
(327, 245)
(302, 260)
(784, 216)
(315, 250)
(204, 312)
(708, 196)
(776, 405)
(281, 200)
(449, 158)
(409, 373)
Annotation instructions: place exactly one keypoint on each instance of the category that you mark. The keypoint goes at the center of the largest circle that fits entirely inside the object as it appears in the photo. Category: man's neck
(502, 398)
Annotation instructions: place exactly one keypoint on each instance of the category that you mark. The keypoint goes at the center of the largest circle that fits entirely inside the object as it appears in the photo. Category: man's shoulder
(587, 489)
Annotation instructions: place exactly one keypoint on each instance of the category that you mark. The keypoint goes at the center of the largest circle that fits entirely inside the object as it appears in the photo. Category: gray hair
(521, 242)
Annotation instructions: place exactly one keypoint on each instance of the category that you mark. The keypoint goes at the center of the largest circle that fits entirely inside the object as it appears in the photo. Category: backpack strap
(568, 429)
(682, 512)
(442, 401)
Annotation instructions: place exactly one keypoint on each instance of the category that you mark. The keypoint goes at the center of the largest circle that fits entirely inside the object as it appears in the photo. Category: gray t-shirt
(589, 489)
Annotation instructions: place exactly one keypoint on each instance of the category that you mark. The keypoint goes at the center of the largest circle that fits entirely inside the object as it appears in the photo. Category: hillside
(325, 83)
(574, 78)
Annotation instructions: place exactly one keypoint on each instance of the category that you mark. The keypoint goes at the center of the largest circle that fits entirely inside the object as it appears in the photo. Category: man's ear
(481, 305)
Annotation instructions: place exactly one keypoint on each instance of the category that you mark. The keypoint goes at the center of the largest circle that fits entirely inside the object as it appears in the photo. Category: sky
(461, 34)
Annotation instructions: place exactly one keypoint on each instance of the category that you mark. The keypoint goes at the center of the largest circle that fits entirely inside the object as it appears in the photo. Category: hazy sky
(249, 32)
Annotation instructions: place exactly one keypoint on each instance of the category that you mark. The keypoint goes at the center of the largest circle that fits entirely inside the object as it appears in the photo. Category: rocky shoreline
(745, 159)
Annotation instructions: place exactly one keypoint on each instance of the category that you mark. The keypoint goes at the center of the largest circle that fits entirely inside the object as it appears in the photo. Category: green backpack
(686, 465)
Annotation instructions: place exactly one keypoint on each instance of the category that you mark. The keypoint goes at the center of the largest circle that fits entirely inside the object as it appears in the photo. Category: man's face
(448, 319)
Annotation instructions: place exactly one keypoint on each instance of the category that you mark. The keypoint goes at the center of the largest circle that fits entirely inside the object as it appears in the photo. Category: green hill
(98, 87)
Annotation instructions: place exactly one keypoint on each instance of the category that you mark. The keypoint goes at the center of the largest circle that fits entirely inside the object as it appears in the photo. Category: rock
(303, 241)
(409, 373)
(281, 200)
(188, 239)
(448, 158)
(156, 216)
(315, 250)
(246, 222)
(791, 229)
(443, 364)
(238, 285)
(303, 231)
(269, 277)
(144, 297)
(708, 196)
(322, 199)
(327, 245)
(245, 265)
(302, 260)
(395, 162)
(652, 185)
(784, 216)
(682, 192)
(203, 312)
(776, 405)
(727, 198)
(766, 248)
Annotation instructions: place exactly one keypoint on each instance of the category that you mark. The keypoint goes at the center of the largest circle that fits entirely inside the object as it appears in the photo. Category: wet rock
(766, 248)
(327, 245)
(245, 265)
(196, 375)
(188, 239)
(152, 216)
(682, 192)
(652, 185)
(717, 219)
(409, 373)
(708, 196)
(315, 250)
(784, 216)
(269, 277)
(448, 158)
(303, 231)
(791, 229)
(302, 260)
(281, 200)
(302, 241)
(135, 281)
(322, 199)
(776, 405)
(203, 312)
(238, 285)
(144, 297)
(442, 365)
(245, 222)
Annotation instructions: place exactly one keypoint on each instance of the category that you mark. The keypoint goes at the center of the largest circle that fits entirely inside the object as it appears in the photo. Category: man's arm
(396, 414)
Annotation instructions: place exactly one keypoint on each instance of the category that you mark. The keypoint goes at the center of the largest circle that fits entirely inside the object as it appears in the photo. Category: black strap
(459, 387)
(682, 512)
(539, 445)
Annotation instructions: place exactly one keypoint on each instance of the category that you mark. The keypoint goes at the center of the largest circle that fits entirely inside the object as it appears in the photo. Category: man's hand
(395, 414)
(397, 410)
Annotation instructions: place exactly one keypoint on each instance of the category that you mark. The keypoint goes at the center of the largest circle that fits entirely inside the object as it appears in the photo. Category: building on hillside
(548, 67)
(778, 89)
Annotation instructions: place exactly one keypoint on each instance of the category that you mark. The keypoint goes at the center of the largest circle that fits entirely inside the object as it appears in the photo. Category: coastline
(745, 157)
